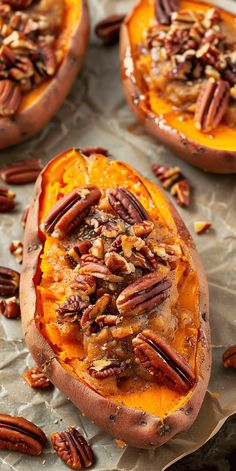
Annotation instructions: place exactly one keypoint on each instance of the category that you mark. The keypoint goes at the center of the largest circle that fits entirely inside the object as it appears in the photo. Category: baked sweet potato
(42, 50)
(114, 299)
(179, 78)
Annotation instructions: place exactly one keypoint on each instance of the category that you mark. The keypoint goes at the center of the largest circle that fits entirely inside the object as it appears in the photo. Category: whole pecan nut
(9, 281)
(106, 368)
(19, 173)
(98, 270)
(109, 29)
(7, 202)
(10, 97)
(127, 206)
(211, 104)
(164, 10)
(229, 357)
(143, 295)
(162, 361)
(10, 308)
(72, 448)
(19, 434)
(36, 378)
(70, 210)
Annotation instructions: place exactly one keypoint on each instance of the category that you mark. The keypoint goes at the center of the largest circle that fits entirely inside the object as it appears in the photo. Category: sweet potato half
(211, 151)
(114, 299)
(40, 104)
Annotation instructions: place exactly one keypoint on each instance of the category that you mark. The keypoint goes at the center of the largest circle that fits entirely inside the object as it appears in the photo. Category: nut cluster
(27, 55)
(192, 49)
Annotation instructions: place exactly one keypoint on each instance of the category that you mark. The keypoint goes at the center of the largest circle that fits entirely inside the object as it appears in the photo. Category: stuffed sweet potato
(114, 299)
(179, 74)
(42, 47)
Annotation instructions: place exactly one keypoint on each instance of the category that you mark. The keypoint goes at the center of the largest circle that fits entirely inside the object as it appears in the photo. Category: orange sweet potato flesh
(39, 105)
(213, 152)
(142, 418)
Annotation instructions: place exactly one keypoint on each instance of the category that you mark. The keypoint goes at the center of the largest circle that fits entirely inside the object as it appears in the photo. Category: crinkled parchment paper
(95, 113)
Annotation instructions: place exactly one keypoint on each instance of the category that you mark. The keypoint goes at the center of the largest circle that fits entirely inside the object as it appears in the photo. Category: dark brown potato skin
(203, 157)
(135, 427)
(31, 120)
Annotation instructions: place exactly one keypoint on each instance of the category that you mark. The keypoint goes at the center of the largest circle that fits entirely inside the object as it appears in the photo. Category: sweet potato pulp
(213, 152)
(142, 418)
(40, 104)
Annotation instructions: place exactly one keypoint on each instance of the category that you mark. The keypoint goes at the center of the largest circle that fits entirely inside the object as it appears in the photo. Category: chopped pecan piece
(97, 249)
(99, 271)
(172, 179)
(19, 173)
(71, 310)
(164, 10)
(118, 264)
(143, 295)
(229, 357)
(163, 362)
(10, 307)
(105, 368)
(48, 63)
(72, 448)
(72, 257)
(10, 97)
(94, 310)
(84, 285)
(143, 229)
(19, 434)
(181, 191)
(109, 29)
(70, 210)
(16, 249)
(36, 378)
(211, 104)
(7, 202)
(9, 281)
(201, 227)
(127, 206)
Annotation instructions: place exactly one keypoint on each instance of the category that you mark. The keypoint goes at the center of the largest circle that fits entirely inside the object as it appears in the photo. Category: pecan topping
(102, 369)
(7, 202)
(118, 264)
(19, 173)
(10, 307)
(36, 378)
(72, 448)
(164, 10)
(163, 362)
(109, 29)
(97, 249)
(143, 295)
(211, 104)
(229, 357)
(19, 434)
(10, 97)
(143, 229)
(16, 249)
(70, 210)
(95, 310)
(172, 179)
(71, 310)
(127, 206)
(9, 281)
(99, 271)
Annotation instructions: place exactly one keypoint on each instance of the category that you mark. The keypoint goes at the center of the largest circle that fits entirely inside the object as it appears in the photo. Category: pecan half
(16, 249)
(10, 307)
(164, 10)
(71, 310)
(72, 448)
(70, 210)
(163, 362)
(10, 97)
(19, 434)
(229, 357)
(143, 295)
(109, 29)
(99, 271)
(94, 310)
(36, 378)
(9, 281)
(106, 368)
(19, 173)
(84, 285)
(127, 206)
(211, 104)
(7, 202)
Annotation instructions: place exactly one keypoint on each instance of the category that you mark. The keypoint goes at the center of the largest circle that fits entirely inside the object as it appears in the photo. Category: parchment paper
(96, 113)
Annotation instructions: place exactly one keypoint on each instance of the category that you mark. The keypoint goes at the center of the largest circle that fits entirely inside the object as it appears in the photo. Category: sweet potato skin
(27, 122)
(201, 156)
(135, 427)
